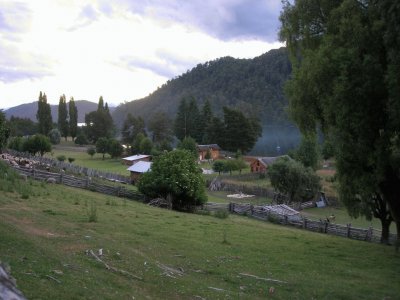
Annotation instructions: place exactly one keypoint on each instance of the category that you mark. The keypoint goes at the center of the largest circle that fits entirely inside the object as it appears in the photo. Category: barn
(138, 169)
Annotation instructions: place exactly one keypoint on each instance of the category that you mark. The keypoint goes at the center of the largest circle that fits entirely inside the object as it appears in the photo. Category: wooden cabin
(261, 164)
(214, 150)
(131, 160)
(138, 169)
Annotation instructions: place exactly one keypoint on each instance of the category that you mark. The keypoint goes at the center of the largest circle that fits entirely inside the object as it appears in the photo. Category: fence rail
(322, 226)
(79, 182)
(70, 168)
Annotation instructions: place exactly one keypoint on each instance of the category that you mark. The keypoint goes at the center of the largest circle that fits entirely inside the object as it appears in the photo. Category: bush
(55, 136)
(81, 139)
(221, 214)
(91, 151)
(16, 143)
(61, 158)
(71, 159)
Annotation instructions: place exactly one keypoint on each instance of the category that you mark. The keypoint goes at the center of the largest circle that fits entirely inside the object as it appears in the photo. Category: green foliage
(71, 160)
(81, 139)
(145, 146)
(91, 151)
(37, 144)
(99, 123)
(4, 130)
(218, 166)
(347, 81)
(22, 126)
(16, 143)
(188, 144)
(55, 136)
(291, 178)
(61, 158)
(135, 149)
(327, 150)
(131, 128)
(115, 148)
(307, 152)
(239, 132)
(43, 115)
(160, 126)
(253, 85)
(176, 175)
(63, 117)
(102, 145)
(73, 118)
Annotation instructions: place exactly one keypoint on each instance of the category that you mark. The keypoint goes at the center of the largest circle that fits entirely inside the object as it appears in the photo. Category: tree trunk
(391, 192)
(385, 231)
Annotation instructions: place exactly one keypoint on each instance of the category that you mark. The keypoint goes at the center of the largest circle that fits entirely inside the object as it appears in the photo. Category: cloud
(223, 19)
(164, 64)
(15, 18)
(16, 66)
(87, 16)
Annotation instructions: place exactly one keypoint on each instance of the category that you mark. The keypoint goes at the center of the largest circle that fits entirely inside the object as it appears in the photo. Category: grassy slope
(49, 231)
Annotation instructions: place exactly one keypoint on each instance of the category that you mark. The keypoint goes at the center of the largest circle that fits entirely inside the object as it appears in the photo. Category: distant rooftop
(135, 157)
(140, 167)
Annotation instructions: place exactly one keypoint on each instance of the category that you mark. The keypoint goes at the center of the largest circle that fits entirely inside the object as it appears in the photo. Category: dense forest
(255, 86)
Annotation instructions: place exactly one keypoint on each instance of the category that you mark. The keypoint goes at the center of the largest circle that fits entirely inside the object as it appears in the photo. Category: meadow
(154, 253)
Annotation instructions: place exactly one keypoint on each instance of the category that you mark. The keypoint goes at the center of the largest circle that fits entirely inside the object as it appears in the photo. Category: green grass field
(163, 254)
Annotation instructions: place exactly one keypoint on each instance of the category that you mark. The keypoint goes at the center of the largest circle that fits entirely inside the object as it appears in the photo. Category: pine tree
(63, 117)
(73, 118)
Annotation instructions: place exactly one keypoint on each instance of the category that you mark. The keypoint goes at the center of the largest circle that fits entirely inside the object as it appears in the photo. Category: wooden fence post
(348, 230)
(61, 178)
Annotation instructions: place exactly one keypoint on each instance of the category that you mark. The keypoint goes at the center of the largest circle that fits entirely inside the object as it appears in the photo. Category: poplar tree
(63, 117)
(43, 115)
(73, 118)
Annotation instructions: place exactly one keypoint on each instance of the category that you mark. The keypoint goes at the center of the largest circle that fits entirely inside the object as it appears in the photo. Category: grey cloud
(166, 64)
(224, 19)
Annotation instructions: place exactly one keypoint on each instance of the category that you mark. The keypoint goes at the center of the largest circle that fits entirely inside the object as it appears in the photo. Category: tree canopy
(73, 118)
(176, 176)
(99, 123)
(346, 79)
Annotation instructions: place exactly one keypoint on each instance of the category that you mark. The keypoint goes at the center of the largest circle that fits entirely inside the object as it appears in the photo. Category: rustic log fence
(70, 168)
(80, 182)
(322, 226)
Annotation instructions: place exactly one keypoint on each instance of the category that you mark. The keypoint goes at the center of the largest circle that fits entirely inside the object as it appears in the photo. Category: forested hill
(253, 85)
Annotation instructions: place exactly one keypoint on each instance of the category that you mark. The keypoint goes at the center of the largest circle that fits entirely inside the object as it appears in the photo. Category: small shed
(131, 160)
(214, 150)
(138, 169)
(261, 164)
(283, 210)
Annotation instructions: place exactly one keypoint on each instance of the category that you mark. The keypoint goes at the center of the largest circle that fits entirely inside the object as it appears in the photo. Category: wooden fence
(80, 182)
(364, 234)
(71, 168)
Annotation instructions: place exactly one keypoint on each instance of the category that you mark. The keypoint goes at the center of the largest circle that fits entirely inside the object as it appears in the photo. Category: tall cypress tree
(63, 117)
(43, 115)
(73, 118)
(180, 124)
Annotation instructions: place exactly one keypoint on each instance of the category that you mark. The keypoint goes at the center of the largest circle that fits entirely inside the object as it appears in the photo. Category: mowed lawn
(161, 254)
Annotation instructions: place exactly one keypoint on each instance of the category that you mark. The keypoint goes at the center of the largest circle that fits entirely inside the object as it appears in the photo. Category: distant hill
(255, 86)
(29, 110)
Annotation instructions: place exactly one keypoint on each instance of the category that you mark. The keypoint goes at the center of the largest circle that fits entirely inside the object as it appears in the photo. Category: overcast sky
(121, 49)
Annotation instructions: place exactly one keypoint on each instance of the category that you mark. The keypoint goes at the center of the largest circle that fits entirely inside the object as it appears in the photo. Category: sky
(122, 49)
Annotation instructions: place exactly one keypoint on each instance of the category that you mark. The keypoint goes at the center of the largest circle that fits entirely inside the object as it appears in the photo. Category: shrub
(221, 214)
(61, 158)
(71, 159)
(91, 151)
(81, 139)
(55, 136)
